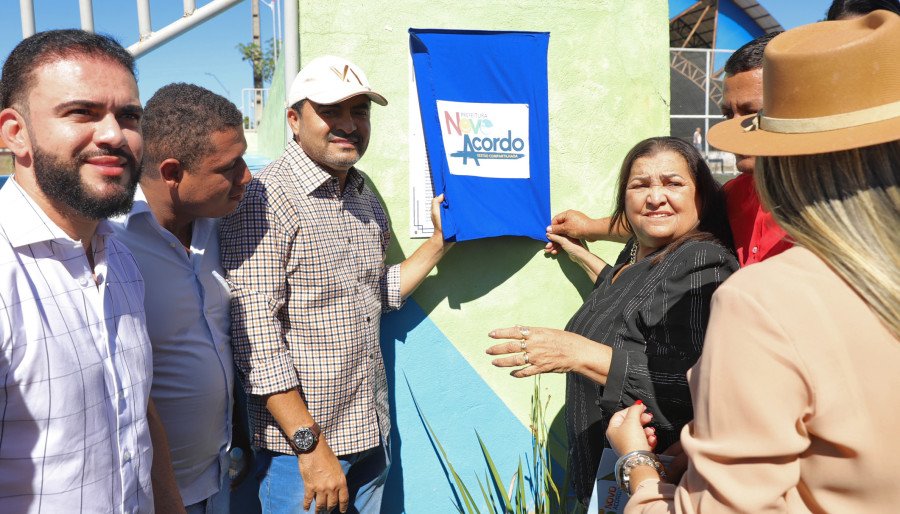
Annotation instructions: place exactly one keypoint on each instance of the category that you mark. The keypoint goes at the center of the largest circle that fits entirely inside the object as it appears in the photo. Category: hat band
(826, 123)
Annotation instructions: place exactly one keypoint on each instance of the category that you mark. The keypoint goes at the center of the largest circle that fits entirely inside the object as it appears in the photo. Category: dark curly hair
(178, 122)
(50, 46)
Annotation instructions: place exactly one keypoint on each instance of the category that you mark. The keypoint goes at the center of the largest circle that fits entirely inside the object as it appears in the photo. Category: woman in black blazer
(642, 326)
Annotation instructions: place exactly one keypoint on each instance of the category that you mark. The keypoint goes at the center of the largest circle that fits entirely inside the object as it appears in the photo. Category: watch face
(304, 439)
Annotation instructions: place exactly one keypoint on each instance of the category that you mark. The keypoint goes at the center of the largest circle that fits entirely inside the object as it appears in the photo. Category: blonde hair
(845, 208)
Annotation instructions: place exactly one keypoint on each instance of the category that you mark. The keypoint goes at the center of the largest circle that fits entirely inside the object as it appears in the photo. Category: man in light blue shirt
(192, 173)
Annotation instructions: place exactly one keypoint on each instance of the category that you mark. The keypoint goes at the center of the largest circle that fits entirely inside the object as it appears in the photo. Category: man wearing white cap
(304, 253)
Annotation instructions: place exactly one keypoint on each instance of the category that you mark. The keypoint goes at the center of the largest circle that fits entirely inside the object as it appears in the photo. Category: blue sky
(791, 13)
(207, 55)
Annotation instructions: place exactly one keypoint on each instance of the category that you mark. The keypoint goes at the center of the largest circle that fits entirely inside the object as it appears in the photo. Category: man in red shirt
(756, 236)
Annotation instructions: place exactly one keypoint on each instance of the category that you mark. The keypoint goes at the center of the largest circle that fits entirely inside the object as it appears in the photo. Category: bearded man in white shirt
(193, 172)
(75, 362)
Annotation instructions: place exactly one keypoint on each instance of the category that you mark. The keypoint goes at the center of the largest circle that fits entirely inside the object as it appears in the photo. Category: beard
(60, 180)
(342, 160)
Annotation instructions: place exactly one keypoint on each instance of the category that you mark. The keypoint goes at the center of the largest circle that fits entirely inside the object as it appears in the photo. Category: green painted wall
(609, 88)
(273, 127)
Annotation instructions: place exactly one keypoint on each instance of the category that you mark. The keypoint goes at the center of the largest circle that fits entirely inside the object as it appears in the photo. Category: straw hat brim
(735, 136)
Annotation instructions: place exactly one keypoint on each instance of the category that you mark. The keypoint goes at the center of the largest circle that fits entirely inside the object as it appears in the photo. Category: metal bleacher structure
(696, 60)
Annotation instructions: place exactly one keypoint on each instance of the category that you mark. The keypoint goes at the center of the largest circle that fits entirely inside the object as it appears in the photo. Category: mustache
(352, 137)
(109, 152)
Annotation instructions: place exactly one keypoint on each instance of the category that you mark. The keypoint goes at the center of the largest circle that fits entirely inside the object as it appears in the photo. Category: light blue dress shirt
(187, 305)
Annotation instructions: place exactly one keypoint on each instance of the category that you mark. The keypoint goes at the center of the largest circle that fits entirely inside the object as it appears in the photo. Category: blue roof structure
(702, 35)
(717, 24)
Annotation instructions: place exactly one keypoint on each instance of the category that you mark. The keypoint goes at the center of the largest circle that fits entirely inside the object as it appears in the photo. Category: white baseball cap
(329, 80)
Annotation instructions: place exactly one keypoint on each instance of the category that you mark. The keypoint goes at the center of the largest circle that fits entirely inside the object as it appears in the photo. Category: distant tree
(254, 53)
(263, 63)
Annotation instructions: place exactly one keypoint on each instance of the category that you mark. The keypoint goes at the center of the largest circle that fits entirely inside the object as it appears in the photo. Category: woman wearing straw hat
(796, 392)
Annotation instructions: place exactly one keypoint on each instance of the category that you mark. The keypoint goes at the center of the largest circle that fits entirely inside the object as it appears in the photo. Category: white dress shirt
(187, 304)
(75, 369)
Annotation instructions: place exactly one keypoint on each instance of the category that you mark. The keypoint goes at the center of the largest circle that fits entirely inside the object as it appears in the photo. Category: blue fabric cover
(491, 68)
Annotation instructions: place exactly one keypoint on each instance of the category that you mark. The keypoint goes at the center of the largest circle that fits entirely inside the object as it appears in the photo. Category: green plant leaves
(541, 496)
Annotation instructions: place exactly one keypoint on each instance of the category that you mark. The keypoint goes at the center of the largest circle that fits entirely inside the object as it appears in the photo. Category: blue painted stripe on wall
(420, 360)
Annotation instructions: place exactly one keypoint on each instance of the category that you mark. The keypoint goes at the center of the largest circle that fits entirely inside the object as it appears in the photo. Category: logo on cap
(343, 75)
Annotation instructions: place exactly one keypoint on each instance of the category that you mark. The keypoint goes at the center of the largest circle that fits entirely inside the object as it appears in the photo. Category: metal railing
(253, 101)
(149, 39)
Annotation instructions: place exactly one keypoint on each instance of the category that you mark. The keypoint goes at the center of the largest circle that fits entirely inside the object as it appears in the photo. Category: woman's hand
(540, 350)
(626, 431)
(576, 224)
(570, 245)
(590, 263)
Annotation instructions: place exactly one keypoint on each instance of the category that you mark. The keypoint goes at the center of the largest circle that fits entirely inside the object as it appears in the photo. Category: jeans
(281, 486)
(219, 503)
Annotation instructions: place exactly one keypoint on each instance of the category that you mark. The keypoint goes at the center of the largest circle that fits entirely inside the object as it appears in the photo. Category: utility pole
(257, 66)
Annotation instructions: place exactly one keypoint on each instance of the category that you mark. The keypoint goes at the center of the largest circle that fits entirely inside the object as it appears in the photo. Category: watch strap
(314, 429)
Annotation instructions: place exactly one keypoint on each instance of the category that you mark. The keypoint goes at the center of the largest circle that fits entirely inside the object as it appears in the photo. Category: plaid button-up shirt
(306, 264)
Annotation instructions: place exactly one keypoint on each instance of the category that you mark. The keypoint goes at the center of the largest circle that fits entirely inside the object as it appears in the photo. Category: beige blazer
(796, 400)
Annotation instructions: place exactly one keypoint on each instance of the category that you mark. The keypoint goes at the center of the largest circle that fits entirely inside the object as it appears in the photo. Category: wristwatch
(305, 438)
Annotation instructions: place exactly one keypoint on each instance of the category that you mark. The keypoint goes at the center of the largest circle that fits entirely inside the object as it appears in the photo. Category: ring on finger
(525, 355)
(524, 331)
(523, 344)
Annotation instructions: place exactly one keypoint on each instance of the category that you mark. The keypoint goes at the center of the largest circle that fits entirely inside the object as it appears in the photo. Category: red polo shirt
(756, 235)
